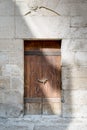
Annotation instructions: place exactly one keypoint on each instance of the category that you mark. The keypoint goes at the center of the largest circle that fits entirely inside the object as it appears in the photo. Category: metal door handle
(42, 80)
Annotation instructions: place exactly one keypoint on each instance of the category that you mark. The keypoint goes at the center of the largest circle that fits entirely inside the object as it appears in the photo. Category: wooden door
(42, 77)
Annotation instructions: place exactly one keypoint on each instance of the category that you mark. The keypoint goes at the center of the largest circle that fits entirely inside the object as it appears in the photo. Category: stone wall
(43, 19)
(11, 77)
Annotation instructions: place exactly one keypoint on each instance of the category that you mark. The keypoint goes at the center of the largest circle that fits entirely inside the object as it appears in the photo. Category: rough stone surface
(68, 58)
(81, 59)
(31, 26)
(6, 27)
(68, 8)
(4, 83)
(74, 45)
(78, 33)
(4, 58)
(42, 123)
(75, 97)
(11, 77)
(74, 72)
(10, 110)
(74, 83)
(12, 69)
(79, 21)
(8, 45)
(6, 7)
(57, 19)
(79, 111)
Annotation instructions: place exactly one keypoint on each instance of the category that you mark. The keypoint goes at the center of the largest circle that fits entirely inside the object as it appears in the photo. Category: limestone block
(81, 59)
(2, 111)
(11, 127)
(6, 7)
(0, 70)
(68, 58)
(21, 8)
(71, 9)
(78, 21)
(74, 1)
(49, 128)
(75, 97)
(62, 126)
(13, 97)
(74, 72)
(17, 58)
(6, 27)
(42, 27)
(4, 83)
(78, 9)
(52, 125)
(11, 110)
(62, 1)
(17, 84)
(74, 110)
(64, 9)
(67, 8)
(1, 96)
(74, 83)
(74, 45)
(78, 33)
(11, 45)
(12, 70)
(32, 4)
(4, 58)
(16, 126)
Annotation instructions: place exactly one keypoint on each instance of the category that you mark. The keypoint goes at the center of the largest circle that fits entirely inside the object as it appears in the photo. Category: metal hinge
(62, 97)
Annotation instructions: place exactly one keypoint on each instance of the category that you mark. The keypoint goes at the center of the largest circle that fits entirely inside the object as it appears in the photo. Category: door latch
(42, 81)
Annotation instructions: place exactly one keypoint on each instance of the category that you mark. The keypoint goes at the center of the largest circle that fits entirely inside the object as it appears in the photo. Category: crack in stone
(36, 8)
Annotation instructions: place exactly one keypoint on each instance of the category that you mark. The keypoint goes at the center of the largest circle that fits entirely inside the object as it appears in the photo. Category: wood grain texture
(43, 74)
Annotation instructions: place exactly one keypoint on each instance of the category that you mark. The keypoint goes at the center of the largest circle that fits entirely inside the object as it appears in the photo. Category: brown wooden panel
(40, 69)
(33, 108)
(42, 77)
(52, 108)
(36, 89)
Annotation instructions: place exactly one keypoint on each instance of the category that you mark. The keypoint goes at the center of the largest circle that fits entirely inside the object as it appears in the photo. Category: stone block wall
(11, 77)
(74, 77)
(43, 19)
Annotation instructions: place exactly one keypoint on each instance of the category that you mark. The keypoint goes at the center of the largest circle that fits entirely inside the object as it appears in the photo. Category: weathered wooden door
(42, 77)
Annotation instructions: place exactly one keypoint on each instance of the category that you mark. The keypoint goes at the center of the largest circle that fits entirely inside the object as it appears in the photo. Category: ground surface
(43, 123)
